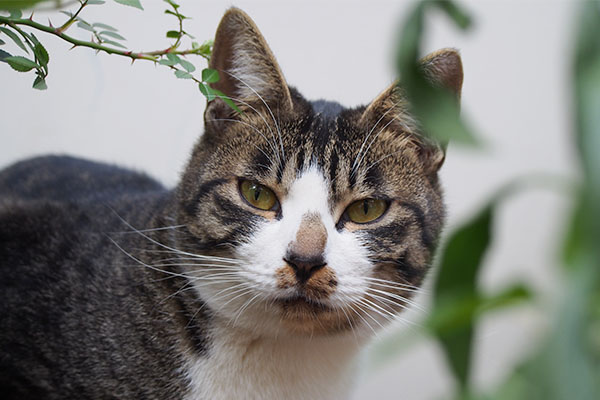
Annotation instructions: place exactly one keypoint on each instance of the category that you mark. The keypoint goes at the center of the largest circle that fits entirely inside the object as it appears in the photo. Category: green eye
(366, 210)
(258, 195)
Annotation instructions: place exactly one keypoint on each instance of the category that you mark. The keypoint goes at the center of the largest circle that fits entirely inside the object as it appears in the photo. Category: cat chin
(298, 317)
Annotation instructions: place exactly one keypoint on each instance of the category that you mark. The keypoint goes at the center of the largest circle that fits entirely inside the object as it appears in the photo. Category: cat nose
(305, 254)
(304, 267)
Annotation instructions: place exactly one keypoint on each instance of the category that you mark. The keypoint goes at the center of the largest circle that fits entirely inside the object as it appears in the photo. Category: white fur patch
(251, 356)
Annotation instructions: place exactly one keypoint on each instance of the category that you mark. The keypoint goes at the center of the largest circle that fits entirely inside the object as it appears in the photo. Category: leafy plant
(104, 38)
(567, 365)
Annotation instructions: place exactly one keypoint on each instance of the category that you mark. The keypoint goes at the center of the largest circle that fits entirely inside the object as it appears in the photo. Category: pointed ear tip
(448, 54)
(234, 11)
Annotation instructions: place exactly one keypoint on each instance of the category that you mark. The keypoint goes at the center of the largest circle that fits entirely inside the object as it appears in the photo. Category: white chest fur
(241, 366)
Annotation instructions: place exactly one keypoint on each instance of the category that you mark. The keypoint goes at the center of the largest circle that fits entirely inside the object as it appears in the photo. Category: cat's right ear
(248, 71)
(390, 109)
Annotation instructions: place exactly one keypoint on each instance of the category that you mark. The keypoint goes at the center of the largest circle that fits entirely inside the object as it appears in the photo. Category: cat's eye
(257, 195)
(366, 210)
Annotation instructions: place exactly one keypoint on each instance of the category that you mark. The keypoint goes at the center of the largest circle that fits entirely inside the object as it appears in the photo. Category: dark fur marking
(420, 218)
(333, 166)
(300, 160)
(261, 164)
(191, 207)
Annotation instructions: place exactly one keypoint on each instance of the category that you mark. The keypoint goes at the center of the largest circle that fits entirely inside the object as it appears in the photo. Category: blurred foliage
(567, 363)
(105, 38)
(436, 108)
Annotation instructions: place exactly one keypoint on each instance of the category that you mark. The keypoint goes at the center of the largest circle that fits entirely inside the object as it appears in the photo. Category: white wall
(516, 94)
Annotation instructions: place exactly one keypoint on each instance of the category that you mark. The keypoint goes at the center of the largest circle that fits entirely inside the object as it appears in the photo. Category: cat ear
(442, 68)
(249, 73)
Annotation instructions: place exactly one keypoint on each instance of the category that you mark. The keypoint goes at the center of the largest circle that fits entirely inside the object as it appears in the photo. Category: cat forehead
(351, 158)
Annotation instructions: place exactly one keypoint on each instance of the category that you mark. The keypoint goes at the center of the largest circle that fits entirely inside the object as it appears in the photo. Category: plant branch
(73, 18)
(143, 55)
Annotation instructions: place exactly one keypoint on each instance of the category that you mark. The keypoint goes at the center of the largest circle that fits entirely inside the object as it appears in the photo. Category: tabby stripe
(191, 207)
(420, 218)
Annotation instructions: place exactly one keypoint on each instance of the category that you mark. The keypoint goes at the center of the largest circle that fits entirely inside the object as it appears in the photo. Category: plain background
(516, 95)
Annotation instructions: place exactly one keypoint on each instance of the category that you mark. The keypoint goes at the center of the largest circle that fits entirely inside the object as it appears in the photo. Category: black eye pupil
(256, 193)
(365, 207)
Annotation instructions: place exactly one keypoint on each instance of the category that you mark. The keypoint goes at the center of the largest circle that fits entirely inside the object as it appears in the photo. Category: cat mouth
(301, 302)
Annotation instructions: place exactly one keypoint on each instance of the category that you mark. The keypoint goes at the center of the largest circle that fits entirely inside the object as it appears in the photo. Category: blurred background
(516, 96)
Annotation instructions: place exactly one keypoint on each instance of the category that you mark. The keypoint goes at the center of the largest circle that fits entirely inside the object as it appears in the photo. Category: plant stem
(73, 18)
(143, 55)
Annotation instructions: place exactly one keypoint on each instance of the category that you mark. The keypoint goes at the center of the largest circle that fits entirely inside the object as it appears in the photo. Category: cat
(297, 230)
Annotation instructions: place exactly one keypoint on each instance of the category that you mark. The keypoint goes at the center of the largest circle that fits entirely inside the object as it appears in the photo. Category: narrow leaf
(227, 100)
(40, 83)
(112, 35)
(41, 54)
(104, 26)
(210, 75)
(15, 38)
(456, 284)
(173, 34)
(85, 26)
(14, 5)
(113, 43)
(435, 108)
(21, 64)
(95, 2)
(3, 55)
(131, 3)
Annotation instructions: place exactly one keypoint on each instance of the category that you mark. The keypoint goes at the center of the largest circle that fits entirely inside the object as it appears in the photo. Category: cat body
(297, 230)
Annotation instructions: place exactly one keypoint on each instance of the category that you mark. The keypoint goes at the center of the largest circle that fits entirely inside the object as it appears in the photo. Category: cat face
(320, 219)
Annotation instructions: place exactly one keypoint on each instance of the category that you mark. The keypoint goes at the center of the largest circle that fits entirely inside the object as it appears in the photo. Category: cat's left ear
(442, 68)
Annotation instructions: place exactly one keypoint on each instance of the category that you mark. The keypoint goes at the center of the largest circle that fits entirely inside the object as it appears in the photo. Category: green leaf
(40, 83)
(14, 5)
(188, 66)
(21, 64)
(15, 14)
(15, 38)
(95, 2)
(84, 25)
(227, 100)
(166, 61)
(2, 42)
(210, 75)
(207, 91)
(113, 43)
(172, 3)
(131, 3)
(111, 34)
(436, 108)
(174, 58)
(41, 54)
(104, 26)
(173, 34)
(183, 75)
(458, 15)
(3, 55)
(455, 287)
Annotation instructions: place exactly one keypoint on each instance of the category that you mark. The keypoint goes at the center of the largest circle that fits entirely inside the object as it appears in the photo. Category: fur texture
(113, 287)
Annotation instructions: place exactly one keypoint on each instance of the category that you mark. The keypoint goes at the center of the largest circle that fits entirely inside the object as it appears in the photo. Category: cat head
(313, 218)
